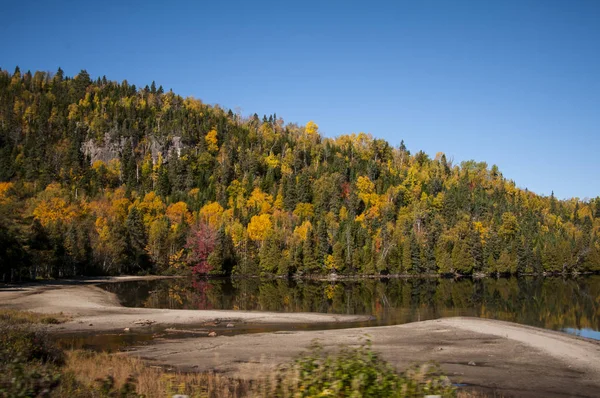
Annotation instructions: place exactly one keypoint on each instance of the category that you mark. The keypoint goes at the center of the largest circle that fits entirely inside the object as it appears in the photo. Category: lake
(571, 305)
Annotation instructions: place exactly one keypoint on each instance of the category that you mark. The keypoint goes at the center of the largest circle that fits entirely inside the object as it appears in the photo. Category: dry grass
(83, 369)
(15, 317)
(88, 367)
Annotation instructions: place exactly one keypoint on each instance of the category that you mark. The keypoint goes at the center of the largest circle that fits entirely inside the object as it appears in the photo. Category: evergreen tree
(137, 239)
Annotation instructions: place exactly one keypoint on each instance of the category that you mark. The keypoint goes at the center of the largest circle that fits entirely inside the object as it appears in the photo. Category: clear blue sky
(510, 82)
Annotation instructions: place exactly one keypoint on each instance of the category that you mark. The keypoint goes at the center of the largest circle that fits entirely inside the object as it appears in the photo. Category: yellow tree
(260, 201)
(212, 141)
(178, 213)
(311, 133)
(212, 214)
(304, 210)
(301, 231)
(237, 195)
(259, 226)
(151, 207)
(366, 190)
(311, 129)
(53, 208)
(5, 192)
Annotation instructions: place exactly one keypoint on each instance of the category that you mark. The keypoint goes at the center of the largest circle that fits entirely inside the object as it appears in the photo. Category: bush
(29, 344)
(29, 362)
(354, 373)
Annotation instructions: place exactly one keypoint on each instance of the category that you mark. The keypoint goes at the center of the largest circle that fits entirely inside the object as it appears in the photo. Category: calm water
(569, 305)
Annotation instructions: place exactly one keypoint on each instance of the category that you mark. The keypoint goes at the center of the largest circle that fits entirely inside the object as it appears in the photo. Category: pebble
(471, 363)
(126, 330)
(212, 334)
(230, 325)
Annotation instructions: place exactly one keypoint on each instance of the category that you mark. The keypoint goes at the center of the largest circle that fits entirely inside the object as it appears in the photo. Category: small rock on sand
(230, 325)
(471, 363)
(212, 334)
(145, 322)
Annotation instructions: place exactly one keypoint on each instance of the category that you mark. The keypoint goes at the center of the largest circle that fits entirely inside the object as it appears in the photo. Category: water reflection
(571, 305)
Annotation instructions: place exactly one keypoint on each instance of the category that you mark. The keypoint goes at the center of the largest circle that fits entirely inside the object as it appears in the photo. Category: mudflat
(503, 357)
(493, 356)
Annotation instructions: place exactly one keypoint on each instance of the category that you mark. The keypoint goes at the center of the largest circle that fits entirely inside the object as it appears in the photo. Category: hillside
(100, 177)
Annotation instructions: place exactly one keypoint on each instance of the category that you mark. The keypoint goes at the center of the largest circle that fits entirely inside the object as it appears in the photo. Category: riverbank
(494, 356)
(91, 308)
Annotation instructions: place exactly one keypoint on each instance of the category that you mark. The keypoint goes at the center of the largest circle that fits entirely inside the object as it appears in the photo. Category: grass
(14, 317)
(84, 370)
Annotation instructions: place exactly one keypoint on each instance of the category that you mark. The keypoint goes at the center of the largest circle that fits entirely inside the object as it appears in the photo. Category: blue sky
(512, 83)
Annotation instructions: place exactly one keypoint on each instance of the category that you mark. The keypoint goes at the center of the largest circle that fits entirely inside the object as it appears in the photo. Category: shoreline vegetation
(99, 177)
(315, 277)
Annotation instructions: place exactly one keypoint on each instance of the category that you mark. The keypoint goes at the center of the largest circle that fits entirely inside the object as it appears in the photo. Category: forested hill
(100, 177)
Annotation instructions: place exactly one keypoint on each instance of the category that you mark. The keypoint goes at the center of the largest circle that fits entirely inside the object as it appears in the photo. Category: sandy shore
(511, 359)
(92, 308)
(493, 356)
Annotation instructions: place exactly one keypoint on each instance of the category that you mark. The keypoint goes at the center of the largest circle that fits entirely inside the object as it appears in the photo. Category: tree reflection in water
(552, 303)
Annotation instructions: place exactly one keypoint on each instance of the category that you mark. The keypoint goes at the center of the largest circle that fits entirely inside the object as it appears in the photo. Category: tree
(98, 176)
(212, 141)
(259, 227)
(323, 241)
(212, 213)
(461, 258)
(200, 244)
(411, 259)
(178, 213)
(270, 255)
(310, 262)
(137, 238)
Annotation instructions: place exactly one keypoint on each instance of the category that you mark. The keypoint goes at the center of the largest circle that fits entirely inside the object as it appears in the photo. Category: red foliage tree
(200, 242)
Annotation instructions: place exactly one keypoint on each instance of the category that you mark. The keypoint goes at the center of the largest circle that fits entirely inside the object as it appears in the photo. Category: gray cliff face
(112, 148)
(108, 150)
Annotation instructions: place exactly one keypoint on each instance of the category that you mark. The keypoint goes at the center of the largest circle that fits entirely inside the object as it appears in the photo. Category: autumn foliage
(200, 244)
(102, 177)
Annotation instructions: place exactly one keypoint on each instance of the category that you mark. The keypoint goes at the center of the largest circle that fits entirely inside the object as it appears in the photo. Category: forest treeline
(101, 177)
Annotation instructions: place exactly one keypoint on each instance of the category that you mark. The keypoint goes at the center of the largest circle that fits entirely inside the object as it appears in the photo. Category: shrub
(29, 362)
(356, 372)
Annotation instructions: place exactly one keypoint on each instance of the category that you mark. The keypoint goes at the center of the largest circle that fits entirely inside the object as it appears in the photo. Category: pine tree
(137, 239)
(310, 262)
(323, 240)
(270, 256)
(462, 258)
(476, 250)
